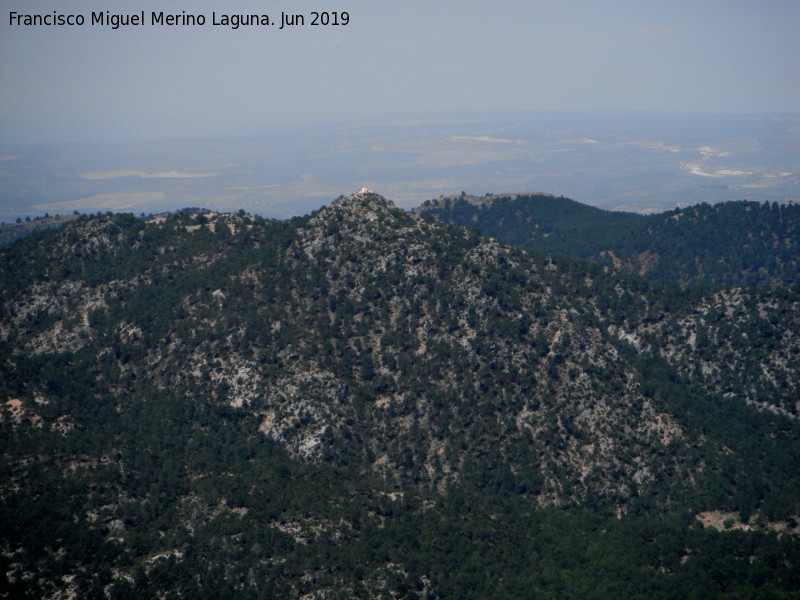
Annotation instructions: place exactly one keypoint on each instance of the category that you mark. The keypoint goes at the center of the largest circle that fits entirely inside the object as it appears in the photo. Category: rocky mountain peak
(361, 204)
(361, 218)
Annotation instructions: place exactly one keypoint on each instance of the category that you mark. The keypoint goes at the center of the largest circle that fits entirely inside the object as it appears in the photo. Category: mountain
(364, 403)
(730, 244)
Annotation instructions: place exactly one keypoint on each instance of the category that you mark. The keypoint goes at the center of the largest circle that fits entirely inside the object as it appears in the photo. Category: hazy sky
(93, 82)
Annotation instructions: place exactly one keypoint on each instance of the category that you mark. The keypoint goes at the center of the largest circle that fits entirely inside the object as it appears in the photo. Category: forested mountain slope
(11, 232)
(732, 243)
(218, 404)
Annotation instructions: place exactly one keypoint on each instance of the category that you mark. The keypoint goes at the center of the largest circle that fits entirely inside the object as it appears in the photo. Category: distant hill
(361, 403)
(10, 232)
(732, 243)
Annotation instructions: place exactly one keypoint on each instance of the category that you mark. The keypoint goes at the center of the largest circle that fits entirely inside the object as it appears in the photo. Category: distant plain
(642, 162)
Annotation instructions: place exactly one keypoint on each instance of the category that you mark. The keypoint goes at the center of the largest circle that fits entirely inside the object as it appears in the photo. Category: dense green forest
(363, 404)
(731, 243)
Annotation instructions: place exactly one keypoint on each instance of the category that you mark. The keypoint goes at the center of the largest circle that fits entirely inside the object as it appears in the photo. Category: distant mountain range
(731, 243)
(363, 402)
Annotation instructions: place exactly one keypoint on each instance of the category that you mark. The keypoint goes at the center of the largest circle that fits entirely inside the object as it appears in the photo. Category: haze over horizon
(641, 162)
(621, 104)
(95, 83)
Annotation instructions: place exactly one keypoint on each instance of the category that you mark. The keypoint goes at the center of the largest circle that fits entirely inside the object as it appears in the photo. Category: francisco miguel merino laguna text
(182, 19)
